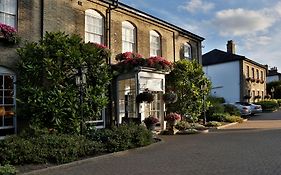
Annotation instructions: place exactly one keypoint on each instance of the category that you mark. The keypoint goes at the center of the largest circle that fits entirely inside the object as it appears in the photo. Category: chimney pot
(230, 47)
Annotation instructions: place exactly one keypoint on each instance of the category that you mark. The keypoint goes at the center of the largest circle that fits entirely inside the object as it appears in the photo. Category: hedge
(268, 105)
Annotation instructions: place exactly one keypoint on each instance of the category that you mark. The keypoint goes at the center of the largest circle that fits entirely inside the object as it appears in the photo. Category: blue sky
(254, 25)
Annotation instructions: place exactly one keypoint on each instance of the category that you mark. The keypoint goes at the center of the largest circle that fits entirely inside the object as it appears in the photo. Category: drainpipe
(42, 19)
(174, 46)
(112, 6)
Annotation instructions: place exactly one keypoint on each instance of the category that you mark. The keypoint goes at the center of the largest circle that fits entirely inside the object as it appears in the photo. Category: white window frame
(8, 12)
(94, 27)
(155, 43)
(128, 37)
(187, 51)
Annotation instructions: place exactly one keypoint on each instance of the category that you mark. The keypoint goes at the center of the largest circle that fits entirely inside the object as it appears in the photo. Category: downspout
(108, 44)
(174, 46)
(42, 19)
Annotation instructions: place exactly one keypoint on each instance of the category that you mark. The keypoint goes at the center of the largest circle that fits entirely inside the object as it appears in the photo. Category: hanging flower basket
(257, 80)
(257, 97)
(253, 80)
(170, 97)
(145, 97)
(261, 81)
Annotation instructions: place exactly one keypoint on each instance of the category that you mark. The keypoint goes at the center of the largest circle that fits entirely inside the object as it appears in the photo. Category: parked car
(244, 110)
(254, 107)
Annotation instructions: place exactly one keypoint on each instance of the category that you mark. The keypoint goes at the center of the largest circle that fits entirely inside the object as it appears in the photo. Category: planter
(151, 127)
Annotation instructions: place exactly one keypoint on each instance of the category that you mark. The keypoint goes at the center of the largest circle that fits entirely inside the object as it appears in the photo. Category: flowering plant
(129, 60)
(102, 49)
(9, 33)
(172, 117)
(151, 120)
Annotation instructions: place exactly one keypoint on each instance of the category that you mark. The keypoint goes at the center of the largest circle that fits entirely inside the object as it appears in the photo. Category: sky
(253, 25)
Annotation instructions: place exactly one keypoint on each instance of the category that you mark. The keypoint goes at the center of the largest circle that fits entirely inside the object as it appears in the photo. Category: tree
(47, 92)
(274, 89)
(187, 79)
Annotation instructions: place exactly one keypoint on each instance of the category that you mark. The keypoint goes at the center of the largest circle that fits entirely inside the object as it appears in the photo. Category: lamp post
(80, 82)
(203, 88)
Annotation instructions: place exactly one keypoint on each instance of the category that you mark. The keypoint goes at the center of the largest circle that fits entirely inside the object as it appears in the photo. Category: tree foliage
(47, 91)
(187, 79)
(276, 85)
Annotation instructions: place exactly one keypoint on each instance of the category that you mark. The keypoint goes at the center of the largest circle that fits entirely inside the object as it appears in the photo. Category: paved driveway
(252, 148)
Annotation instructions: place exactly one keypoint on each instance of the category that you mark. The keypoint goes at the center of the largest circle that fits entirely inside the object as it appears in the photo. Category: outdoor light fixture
(80, 82)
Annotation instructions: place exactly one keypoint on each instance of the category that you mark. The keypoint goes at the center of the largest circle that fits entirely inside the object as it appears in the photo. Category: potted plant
(145, 97)
(150, 122)
(170, 97)
(257, 80)
(172, 118)
(248, 78)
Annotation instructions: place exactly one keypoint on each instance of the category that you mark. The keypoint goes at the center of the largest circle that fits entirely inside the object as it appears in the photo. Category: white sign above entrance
(151, 84)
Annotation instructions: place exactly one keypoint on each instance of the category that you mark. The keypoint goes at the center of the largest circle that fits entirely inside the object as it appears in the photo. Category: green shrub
(216, 100)
(279, 102)
(269, 105)
(219, 117)
(122, 137)
(232, 110)
(53, 148)
(8, 170)
(213, 124)
(216, 108)
(182, 125)
(232, 119)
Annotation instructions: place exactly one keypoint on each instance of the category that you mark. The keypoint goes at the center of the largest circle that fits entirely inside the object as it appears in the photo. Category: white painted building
(234, 77)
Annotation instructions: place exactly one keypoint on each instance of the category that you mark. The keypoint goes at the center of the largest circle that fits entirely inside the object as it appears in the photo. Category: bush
(122, 137)
(219, 117)
(182, 125)
(213, 124)
(232, 110)
(216, 108)
(232, 119)
(52, 148)
(216, 100)
(47, 90)
(269, 105)
(8, 170)
(279, 102)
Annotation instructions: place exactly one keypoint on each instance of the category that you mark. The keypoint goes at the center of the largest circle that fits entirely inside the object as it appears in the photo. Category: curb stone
(230, 124)
(88, 160)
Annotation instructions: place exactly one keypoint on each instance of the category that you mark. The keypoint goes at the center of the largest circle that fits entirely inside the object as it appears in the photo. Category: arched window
(155, 43)
(8, 12)
(128, 37)
(187, 51)
(94, 27)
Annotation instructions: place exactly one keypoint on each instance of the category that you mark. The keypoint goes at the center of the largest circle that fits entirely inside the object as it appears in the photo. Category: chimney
(230, 47)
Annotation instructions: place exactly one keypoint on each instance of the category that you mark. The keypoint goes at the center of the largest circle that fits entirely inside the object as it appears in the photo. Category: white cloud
(193, 6)
(240, 22)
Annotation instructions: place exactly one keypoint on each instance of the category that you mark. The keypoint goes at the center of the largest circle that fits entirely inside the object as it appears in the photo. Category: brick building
(116, 25)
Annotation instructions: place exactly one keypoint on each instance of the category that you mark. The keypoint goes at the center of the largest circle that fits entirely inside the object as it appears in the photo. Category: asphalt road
(250, 148)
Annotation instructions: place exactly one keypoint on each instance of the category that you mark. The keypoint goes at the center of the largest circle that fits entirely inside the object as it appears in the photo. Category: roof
(273, 73)
(218, 56)
(157, 20)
